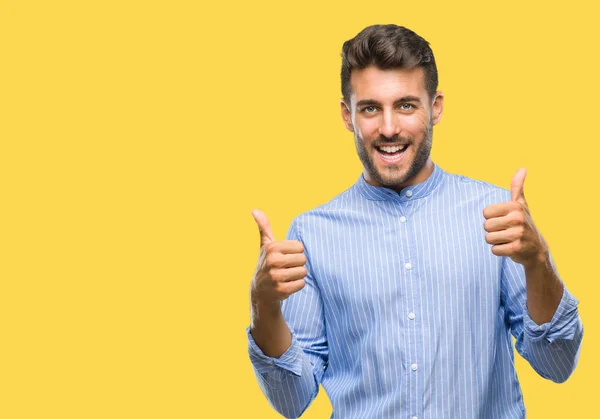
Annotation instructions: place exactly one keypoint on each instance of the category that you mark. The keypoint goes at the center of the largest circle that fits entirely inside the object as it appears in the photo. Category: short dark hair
(387, 47)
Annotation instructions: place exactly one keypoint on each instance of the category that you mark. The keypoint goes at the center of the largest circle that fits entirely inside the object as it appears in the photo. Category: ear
(346, 116)
(438, 107)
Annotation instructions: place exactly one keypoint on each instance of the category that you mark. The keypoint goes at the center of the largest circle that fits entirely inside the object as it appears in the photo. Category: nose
(390, 124)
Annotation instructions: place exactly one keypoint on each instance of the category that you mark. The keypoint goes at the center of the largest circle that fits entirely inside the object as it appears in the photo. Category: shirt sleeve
(291, 382)
(552, 348)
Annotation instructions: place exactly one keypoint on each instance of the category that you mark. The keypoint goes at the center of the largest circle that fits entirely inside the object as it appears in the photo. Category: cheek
(366, 129)
(415, 126)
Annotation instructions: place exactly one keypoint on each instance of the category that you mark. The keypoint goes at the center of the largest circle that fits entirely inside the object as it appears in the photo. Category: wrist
(540, 260)
(262, 307)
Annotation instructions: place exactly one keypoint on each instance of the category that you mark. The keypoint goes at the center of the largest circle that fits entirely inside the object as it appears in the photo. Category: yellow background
(136, 136)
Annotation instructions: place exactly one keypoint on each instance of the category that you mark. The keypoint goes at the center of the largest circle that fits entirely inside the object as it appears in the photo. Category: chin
(397, 174)
(394, 180)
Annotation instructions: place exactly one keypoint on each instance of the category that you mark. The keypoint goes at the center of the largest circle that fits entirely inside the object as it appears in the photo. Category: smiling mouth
(391, 154)
(391, 150)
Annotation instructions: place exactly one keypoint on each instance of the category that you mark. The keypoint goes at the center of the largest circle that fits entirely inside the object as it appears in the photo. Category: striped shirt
(407, 313)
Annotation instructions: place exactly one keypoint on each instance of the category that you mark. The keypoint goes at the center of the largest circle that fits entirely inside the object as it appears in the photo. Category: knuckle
(269, 260)
(286, 288)
(274, 274)
(487, 225)
(520, 231)
(301, 284)
(300, 245)
(296, 286)
(274, 260)
(516, 220)
(280, 289)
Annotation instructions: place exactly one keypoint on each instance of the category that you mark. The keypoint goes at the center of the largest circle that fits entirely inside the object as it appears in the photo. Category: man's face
(392, 118)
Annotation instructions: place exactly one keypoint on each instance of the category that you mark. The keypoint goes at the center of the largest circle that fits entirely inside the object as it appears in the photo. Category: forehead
(383, 85)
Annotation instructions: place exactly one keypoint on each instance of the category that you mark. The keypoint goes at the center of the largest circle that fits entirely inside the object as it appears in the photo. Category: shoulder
(475, 188)
(336, 208)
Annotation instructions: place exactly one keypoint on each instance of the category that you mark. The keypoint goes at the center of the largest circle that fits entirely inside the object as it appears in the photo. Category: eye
(369, 109)
(407, 106)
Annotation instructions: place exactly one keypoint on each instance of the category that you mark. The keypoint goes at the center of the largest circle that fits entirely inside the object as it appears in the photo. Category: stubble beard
(393, 178)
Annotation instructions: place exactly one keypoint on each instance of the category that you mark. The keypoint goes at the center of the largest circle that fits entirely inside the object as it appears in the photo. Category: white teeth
(392, 149)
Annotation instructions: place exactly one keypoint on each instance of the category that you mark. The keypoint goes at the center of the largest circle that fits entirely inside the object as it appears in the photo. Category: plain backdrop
(137, 136)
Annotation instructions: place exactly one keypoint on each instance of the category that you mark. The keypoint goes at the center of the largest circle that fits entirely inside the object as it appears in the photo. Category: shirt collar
(420, 190)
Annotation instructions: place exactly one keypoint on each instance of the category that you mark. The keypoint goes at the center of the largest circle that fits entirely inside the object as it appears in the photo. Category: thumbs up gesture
(511, 230)
(280, 271)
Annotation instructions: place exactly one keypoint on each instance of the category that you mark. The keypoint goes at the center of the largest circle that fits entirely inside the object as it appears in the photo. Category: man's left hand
(511, 230)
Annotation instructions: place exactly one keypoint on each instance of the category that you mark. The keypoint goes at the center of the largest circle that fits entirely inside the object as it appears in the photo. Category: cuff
(291, 360)
(561, 326)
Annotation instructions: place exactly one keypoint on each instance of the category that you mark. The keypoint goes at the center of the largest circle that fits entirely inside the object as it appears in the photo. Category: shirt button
(414, 417)
(414, 367)
(411, 316)
(403, 219)
(409, 193)
(408, 266)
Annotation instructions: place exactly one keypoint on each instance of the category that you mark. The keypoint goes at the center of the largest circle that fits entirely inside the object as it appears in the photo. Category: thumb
(516, 186)
(264, 227)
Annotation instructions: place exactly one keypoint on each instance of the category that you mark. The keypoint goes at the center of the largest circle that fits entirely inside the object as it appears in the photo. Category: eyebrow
(371, 102)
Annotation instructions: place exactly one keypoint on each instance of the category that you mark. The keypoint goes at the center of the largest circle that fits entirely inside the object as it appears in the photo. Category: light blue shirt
(407, 313)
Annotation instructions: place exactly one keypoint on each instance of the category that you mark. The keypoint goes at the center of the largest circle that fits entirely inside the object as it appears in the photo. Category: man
(400, 295)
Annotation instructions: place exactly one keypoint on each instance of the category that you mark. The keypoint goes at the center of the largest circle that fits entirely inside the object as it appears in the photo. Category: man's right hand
(280, 271)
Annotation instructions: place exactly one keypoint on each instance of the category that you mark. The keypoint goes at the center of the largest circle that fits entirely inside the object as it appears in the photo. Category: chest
(375, 268)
